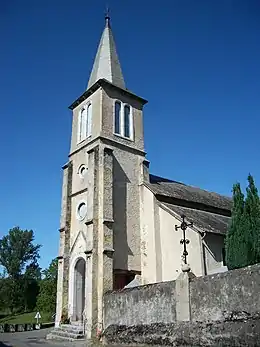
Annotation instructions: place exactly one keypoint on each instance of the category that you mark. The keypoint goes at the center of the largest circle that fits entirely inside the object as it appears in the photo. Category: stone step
(52, 336)
(76, 322)
(76, 325)
(66, 332)
(71, 328)
(69, 331)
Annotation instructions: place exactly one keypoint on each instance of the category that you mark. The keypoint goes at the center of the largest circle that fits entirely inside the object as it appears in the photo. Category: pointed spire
(106, 64)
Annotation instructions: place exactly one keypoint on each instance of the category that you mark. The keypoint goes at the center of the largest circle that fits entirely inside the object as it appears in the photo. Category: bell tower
(100, 215)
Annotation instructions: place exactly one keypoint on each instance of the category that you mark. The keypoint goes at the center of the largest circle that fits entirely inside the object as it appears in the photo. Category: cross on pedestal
(184, 225)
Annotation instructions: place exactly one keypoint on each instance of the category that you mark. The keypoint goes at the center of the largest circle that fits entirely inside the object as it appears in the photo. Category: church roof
(106, 64)
(187, 196)
(205, 221)
(104, 83)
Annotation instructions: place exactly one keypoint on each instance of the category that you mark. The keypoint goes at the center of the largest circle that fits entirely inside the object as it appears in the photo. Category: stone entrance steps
(67, 332)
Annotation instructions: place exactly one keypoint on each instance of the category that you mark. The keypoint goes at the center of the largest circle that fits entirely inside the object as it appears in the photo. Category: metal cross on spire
(107, 17)
(184, 225)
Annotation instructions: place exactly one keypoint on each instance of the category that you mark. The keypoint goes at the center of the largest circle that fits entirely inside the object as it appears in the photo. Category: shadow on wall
(121, 247)
(215, 244)
(213, 252)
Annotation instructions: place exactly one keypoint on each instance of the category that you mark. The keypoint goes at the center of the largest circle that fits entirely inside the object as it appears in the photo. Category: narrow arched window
(117, 117)
(81, 121)
(127, 132)
(79, 124)
(85, 122)
(89, 120)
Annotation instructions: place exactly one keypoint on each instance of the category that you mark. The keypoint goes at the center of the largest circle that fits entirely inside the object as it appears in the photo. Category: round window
(82, 210)
(82, 171)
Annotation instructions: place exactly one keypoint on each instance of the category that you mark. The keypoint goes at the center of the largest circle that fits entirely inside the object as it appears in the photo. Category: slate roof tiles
(209, 211)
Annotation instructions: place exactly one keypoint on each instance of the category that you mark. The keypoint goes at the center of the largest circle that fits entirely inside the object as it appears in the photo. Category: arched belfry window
(89, 119)
(85, 122)
(80, 125)
(123, 122)
(127, 121)
(118, 117)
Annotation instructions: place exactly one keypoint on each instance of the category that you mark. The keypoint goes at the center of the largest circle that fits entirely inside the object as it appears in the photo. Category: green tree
(31, 283)
(252, 215)
(3, 295)
(17, 250)
(48, 288)
(243, 236)
(236, 242)
(11, 294)
(19, 256)
(51, 272)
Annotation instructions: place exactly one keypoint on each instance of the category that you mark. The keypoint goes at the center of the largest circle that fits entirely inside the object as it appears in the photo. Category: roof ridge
(166, 180)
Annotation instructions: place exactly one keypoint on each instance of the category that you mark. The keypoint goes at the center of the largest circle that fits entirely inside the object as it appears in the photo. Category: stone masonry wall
(222, 310)
(147, 304)
(214, 297)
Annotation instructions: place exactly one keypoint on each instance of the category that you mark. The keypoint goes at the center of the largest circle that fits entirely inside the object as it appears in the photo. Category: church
(119, 223)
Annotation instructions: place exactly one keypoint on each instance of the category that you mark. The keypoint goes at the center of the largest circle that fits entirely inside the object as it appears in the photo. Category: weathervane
(184, 225)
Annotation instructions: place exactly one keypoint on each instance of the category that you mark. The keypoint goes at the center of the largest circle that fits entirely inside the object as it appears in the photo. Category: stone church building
(117, 219)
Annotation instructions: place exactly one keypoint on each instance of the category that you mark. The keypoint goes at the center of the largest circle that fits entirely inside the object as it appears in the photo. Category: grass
(26, 318)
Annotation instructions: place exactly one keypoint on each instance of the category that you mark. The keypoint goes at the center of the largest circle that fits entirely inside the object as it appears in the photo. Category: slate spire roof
(106, 64)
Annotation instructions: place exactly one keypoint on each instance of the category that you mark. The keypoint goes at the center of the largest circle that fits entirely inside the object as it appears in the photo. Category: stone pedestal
(183, 294)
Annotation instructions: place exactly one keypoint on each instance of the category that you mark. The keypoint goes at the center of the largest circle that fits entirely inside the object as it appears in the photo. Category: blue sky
(197, 63)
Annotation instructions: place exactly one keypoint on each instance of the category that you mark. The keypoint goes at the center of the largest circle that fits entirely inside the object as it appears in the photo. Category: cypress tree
(252, 215)
(236, 239)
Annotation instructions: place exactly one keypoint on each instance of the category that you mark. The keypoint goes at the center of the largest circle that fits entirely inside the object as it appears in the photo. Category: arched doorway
(79, 289)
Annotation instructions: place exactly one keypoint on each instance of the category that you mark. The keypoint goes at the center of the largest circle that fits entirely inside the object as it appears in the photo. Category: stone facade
(64, 247)
(107, 239)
